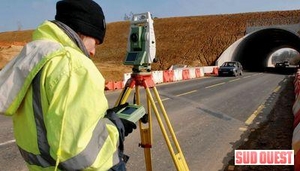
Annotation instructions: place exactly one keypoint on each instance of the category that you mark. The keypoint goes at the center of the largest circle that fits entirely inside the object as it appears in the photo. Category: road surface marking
(193, 91)
(234, 80)
(253, 116)
(277, 89)
(215, 85)
(7, 142)
(257, 74)
(243, 129)
(248, 76)
(165, 99)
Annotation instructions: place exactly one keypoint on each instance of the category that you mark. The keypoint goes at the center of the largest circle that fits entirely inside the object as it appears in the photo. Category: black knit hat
(83, 16)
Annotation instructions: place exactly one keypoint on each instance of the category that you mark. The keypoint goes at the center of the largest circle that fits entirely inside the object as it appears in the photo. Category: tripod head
(141, 47)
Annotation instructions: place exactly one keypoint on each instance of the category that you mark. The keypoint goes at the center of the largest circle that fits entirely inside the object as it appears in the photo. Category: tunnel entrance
(254, 50)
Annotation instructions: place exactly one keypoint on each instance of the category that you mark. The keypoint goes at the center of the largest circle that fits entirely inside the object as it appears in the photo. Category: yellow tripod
(145, 80)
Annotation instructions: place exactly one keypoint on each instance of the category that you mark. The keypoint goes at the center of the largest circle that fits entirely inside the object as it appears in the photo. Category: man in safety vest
(55, 94)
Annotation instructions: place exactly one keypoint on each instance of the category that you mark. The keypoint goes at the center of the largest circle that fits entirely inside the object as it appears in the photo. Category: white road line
(248, 76)
(215, 85)
(257, 74)
(193, 91)
(7, 142)
(165, 99)
(234, 80)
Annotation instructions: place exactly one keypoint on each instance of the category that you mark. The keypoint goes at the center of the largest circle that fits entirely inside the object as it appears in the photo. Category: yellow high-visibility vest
(55, 95)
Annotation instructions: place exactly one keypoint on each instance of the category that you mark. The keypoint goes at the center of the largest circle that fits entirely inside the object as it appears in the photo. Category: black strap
(112, 116)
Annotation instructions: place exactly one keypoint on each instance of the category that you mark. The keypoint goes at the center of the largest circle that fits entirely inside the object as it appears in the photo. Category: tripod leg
(146, 133)
(124, 95)
(145, 129)
(178, 158)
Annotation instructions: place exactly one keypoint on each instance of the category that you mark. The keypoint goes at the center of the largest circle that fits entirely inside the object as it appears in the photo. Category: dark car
(232, 68)
(282, 64)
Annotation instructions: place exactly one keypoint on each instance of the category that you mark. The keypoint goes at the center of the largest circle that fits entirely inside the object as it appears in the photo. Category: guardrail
(167, 76)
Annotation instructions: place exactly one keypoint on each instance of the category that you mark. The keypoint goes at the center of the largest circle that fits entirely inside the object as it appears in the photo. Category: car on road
(282, 64)
(230, 68)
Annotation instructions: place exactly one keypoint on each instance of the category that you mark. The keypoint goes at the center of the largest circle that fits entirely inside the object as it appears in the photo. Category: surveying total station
(140, 54)
(141, 47)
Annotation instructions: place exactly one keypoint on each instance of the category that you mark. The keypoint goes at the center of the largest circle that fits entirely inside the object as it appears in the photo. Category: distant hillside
(194, 41)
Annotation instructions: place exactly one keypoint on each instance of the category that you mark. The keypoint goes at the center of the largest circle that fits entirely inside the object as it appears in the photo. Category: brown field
(193, 41)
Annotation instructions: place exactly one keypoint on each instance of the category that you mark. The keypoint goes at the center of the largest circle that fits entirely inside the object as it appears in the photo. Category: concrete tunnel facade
(255, 49)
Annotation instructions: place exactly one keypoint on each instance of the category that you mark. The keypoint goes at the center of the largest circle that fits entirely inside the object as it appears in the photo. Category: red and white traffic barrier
(296, 132)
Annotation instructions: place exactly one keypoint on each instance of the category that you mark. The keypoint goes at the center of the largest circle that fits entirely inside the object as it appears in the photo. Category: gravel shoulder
(275, 133)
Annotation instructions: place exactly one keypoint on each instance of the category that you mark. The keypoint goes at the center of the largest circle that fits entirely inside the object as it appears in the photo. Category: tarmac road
(209, 115)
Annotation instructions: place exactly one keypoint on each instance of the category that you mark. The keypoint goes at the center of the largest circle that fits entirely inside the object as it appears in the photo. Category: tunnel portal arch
(254, 49)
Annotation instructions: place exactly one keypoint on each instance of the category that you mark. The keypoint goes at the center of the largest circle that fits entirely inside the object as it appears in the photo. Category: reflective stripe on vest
(44, 159)
(82, 160)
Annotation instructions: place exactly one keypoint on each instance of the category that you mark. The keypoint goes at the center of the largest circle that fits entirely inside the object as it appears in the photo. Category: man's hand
(128, 125)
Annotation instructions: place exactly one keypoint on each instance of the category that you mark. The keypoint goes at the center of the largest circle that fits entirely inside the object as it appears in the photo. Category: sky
(28, 14)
